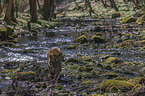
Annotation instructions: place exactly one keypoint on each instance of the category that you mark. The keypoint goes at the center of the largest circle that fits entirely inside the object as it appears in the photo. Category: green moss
(140, 20)
(116, 15)
(127, 43)
(81, 39)
(3, 28)
(63, 42)
(23, 73)
(27, 51)
(86, 59)
(116, 86)
(99, 33)
(84, 68)
(129, 19)
(143, 69)
(127, 35)
(109, 75)
(138, 80)
(112, 60)
(142, 49)
(141, 42)
(87, 82)
(71, 46)
(98, 39)
(7, 71)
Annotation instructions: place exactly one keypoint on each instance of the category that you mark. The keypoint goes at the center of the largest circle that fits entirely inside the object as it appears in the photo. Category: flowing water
(67, 32)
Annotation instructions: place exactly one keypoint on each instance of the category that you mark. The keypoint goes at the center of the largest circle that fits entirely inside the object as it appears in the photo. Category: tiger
(54, 57)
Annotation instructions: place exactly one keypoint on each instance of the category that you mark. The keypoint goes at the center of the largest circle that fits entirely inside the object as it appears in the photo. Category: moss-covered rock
(27, 51)
(141, 42)
(109, 75)
(116, 86)
(71, 46)
(50, 33)
(99, 33)
(127, 43)
(129, 19)
(111, 60)
(81, 39)
(137, 80)
(29, 75)
(81, 60)
(85, 68)
(5, 32)
(7, 71)
(86, 59)
(140, 20)
(116, 15)
(98, 39)
(87, 82)
(143, 69)
(142, 49)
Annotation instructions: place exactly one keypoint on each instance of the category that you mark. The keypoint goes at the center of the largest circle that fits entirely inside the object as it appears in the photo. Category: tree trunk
(113, 5)
(104, 3)
(52, 9)
(38, 4)
(48, 9)
(9, 14)
(16, 8)
(89, 5)
(0, 4)
(33, 11)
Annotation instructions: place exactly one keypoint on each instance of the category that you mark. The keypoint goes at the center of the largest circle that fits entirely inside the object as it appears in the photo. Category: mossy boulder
(141, 20)
(137, 80)
(71, 46)
(116, 15)
(5, 32)
(81, 59)
(87, 82)
(143, 69)
(86, 59)
(99, 33)
(142, 49)
(50, 33)
(127, 43)
(116, 86)
(29, 75)
(98, 39)
(6, 71)
(129, 19)
(85, 68)
(27, 51)
(141, 42)
(109, 75)
(81, 39)
(114, 60)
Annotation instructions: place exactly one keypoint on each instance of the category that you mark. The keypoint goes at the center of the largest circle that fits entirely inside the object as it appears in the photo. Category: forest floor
(83, 75)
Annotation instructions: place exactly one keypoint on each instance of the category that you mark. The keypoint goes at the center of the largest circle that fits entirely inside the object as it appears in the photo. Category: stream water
(67, 32)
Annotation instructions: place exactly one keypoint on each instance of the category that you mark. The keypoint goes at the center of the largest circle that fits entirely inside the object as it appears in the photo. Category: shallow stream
(65, 33)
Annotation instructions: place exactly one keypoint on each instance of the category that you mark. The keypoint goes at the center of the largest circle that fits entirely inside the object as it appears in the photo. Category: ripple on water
(15, 57)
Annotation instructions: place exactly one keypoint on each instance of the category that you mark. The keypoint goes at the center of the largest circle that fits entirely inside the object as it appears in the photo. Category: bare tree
(113, 5)
(48, 9)
(0, 4)
(104, 3)
(33, 11)
(9, 14)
